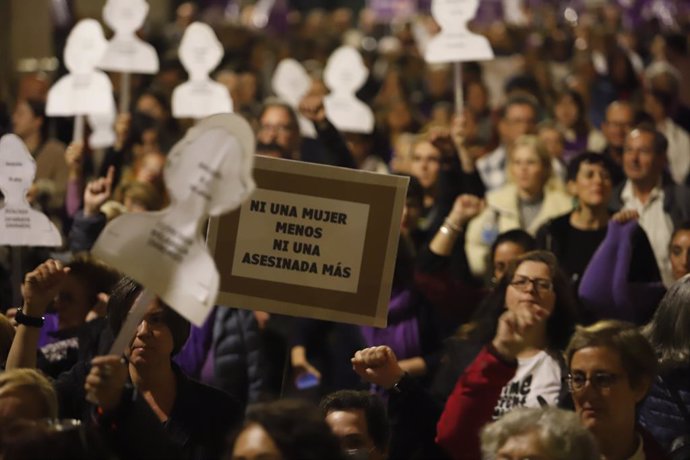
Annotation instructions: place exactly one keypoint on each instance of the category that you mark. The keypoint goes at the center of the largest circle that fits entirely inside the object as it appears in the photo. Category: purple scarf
(402, 333)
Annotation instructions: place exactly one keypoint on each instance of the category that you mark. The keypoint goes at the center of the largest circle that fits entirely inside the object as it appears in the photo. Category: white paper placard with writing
(299, 239)
(291, 82)
(455, 43)
(126, 52)
(344, 74)
(85, 89)
(200, 52)
(207, 173)
(20, 225)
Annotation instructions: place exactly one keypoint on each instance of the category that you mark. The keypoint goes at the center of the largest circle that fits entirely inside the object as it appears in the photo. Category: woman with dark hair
(285, 430)
(665, 413)
(519, 364)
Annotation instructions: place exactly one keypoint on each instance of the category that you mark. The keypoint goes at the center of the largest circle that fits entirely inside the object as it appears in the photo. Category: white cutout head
(211, 163)
(345, 71)
(290, 81)
(85, 47)
(448, 13)
(125, 16)
(102, 129)
(17, 168)
(200, 51)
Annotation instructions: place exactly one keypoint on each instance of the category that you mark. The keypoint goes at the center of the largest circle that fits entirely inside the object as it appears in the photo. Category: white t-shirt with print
(539, 375)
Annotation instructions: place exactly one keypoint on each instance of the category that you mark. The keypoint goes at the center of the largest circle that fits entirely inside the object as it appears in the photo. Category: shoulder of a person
(502, 196)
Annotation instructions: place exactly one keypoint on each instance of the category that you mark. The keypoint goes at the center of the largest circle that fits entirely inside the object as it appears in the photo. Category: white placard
(84, 90)
(207, 173)
(455, 43)
(297, 239)
(20, 225)
(126, 52)
(200, 52)
(344, 74)
(291, 82)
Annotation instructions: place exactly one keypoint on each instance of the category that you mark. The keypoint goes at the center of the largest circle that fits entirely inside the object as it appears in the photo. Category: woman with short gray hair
(538, 433)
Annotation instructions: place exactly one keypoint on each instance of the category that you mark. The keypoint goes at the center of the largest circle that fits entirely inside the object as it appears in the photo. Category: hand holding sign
(207, 173)
(200, 53)
(84, 90)
(344, 74)
(20, 225)
(291, 83)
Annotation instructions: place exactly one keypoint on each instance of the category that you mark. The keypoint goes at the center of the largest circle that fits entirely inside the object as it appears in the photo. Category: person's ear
(641, 389)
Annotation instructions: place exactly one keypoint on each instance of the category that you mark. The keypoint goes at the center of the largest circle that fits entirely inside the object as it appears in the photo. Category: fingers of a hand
(110, 177)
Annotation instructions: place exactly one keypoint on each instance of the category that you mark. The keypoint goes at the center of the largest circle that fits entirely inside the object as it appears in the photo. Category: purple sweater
(606, 289)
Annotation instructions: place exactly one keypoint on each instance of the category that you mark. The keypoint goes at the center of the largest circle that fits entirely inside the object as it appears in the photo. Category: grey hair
(560, 432)
(272, 101)
(669, 329)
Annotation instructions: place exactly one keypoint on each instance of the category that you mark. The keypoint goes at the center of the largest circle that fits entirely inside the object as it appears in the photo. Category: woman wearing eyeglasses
(522, 335)
(611, 367)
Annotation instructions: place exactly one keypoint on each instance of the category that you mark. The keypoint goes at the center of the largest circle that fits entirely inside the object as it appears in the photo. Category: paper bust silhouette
(20, 225)
(84, 90)
(207, 173)
(200, 53)
(126, 52)
(344, 74)
(102, 129)
(291, 82)
(455, 43)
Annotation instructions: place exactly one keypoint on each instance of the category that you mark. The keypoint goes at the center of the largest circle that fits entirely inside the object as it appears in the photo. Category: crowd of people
(540, 303)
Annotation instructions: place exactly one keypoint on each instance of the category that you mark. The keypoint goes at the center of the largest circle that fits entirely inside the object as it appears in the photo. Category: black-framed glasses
(598, 381)
(525, 283)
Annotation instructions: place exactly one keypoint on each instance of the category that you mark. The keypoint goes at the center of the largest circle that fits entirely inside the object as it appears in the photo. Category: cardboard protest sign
(200, 53)
(20, 225)
(291, 82)
(314, 241)
(85, 90)
(455, 43)
(126, 52)
(344, 74)
(207, 173)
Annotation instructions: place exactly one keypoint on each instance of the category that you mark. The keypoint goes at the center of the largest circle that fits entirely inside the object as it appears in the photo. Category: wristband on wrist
(452, 225)
(26, 320)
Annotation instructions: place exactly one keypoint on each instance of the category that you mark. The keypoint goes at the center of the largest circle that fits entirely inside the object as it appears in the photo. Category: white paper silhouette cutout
(200, 53)
(20, 225)
(126, 52)
(102, 130)
(84, 90)
(291, 82)
(344, 74)
(207, 173)
(455, 43)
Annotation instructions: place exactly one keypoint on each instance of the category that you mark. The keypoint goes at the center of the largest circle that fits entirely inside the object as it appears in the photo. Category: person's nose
(143, 329)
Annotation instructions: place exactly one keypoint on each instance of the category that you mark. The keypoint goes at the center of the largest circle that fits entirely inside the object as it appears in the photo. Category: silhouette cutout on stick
(344, 74)
(126, 52)
(85, 89)
(207, 173)
(455, 43)
(291, 82)
(102, 130)
(20, 225)
(200, 53)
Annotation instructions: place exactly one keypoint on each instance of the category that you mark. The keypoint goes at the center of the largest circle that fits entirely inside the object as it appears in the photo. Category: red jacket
(471, 404)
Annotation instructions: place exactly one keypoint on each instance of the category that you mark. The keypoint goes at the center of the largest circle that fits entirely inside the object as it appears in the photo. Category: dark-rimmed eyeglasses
(525, 283)
(598, 381)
